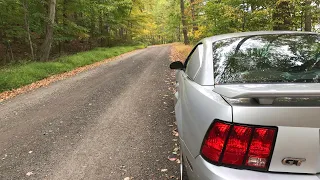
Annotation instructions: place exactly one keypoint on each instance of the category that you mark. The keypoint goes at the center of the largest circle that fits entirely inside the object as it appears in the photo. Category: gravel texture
(114, 121)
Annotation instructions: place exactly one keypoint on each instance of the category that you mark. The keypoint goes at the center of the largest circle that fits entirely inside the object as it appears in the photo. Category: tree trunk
(193, 14)
(47, 44)
(64, 23)
(9, 51)
(184, 23)
(282, 16)
(101, 27)
(179, 33)
(244, 16)
(301, 23)
(92, 29)
(308, 16)
(27, 27)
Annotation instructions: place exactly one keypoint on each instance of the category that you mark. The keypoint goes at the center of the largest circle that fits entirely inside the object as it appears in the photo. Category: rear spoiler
(268, 90)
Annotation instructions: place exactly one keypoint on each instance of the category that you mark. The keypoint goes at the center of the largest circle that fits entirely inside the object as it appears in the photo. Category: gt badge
(293, 161)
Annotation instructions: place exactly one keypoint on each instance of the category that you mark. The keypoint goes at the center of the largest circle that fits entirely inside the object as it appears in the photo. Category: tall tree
(282, 16)
(308, 16)
(193, 16)
(27, 27)
(47, 44)
(184, 23)
(79, 25)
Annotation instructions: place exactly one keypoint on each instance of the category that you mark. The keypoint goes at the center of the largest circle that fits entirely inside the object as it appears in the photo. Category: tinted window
(267, 58)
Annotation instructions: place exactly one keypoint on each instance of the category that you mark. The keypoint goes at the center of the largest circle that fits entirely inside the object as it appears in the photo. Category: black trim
(192, 51)
(189, 164)
(243, 166)
(247, 151)
(225, 145)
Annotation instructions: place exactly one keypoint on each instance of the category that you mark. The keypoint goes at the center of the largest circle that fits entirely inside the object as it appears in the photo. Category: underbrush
(15, 76)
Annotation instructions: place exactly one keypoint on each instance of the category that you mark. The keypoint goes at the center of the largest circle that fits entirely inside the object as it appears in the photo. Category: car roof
(241, 34)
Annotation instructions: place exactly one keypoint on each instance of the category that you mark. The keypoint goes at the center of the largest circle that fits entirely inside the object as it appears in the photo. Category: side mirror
(177, 65)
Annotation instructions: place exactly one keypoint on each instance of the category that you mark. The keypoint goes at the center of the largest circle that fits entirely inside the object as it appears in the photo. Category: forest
(42, 30)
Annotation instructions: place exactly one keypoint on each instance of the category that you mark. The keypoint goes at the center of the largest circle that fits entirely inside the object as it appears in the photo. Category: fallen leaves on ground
(179, 52)
(29, 173)
(176, 149)
(164, 170)
(175, 133)
(178, 161)
(172, 157)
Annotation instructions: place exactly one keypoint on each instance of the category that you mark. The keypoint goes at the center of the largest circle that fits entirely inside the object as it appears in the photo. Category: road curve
(110, 122)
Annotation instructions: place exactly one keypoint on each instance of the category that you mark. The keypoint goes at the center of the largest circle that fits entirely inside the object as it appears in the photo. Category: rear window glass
(280, 58)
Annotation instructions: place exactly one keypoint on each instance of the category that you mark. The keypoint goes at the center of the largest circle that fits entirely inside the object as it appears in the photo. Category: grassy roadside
(16, 76)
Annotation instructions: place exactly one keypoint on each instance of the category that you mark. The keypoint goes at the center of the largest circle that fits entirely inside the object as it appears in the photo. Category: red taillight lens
(243, 146)
(237, 145)
(260, 147)
(215, 140)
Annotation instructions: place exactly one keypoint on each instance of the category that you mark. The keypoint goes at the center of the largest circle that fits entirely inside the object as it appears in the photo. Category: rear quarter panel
(196, 109)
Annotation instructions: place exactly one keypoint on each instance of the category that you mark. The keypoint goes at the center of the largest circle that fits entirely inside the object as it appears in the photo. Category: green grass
(15, 76)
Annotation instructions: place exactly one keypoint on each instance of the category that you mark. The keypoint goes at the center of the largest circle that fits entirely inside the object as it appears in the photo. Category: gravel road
(111, 122)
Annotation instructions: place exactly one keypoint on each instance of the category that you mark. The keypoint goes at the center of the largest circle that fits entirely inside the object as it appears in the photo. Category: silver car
(248, 107)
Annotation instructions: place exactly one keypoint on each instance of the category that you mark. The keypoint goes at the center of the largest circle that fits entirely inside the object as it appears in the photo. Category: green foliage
(86, 24)
(226, 16)
(10, 20)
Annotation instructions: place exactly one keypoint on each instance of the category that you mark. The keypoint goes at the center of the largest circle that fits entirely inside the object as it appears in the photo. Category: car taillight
(237, 145)
(240, 146)
(260, 147)
(215, 140)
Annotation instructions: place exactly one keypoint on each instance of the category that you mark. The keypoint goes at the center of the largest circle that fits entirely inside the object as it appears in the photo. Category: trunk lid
(269, 90)
(293, 108)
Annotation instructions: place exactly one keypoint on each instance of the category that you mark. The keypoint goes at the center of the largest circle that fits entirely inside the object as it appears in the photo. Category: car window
(194, 60)
(284, 58)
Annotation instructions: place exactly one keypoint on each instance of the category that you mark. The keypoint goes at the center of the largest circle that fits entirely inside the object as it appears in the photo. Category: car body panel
(194, 123)
(296, 142)
(269, 90)
(239, 34)
(199, 102)
(205, 74)
(205, 171)
(277, 116)
(195, 63)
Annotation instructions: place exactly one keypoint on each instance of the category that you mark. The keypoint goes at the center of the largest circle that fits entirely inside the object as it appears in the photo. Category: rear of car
(257, 115)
